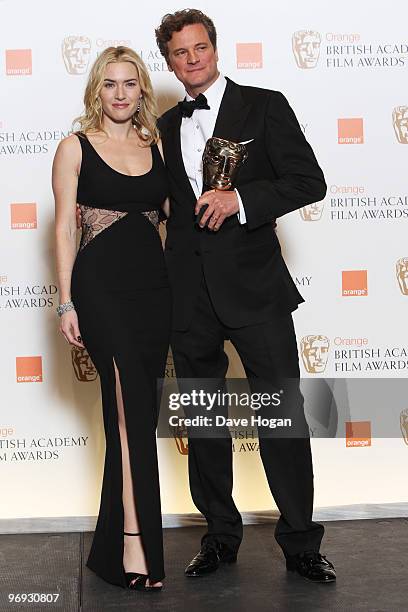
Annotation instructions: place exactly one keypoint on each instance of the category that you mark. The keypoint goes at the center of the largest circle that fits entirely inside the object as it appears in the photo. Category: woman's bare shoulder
(69, 145)
(68, 156)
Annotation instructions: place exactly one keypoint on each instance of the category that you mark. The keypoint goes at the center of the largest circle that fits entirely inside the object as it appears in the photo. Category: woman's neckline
(118, 171)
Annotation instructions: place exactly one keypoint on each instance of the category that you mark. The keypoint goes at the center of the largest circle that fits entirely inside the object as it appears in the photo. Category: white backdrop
(344, 73)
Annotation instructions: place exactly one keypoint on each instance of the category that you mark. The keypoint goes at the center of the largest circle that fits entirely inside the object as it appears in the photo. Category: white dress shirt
(194, 133)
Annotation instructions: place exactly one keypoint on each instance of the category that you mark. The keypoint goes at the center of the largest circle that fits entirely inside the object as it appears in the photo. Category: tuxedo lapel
(232, 114)
(174, 158)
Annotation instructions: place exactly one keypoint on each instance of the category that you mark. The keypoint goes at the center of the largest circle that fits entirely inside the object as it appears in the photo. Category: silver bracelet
(63, 308)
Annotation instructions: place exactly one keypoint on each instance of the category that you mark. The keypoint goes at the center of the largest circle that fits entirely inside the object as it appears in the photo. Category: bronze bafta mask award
(221, 161)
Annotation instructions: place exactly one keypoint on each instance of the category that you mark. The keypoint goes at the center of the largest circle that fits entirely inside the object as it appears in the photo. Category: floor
(370, 556)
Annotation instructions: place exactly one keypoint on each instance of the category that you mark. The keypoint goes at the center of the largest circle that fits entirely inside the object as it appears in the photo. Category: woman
(115, 300)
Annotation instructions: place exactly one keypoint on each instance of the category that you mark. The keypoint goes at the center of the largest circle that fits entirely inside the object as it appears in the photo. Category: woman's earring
(139, 105)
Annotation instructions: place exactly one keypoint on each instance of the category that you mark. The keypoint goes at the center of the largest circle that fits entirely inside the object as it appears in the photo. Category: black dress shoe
(313, 566)
(209, 559)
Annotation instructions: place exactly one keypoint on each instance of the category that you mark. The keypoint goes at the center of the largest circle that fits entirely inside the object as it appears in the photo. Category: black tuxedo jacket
(246, 276)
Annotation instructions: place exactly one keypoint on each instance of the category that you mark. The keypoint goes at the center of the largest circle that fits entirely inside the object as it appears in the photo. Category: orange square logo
(249, 55)
(18, 62)
(23, 216)
(354, 282)
(358, 433)
(29, 369)
(350, 131)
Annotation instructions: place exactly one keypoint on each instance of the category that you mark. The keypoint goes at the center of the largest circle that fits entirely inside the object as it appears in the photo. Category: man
(229, 280)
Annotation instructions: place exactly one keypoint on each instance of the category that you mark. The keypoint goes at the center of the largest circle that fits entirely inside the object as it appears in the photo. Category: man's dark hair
(175, 22)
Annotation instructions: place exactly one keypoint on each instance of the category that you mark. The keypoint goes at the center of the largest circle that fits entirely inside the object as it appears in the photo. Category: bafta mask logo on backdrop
(180, 437)
(354, 283)
(400, 123)
(29, 369)
(23, 216)
(249, 55)
(350, 131)
(312, 212)
(315, 352)
(402, 274)
(84, 369)
(19, 62)
(404, 425)
(358, 433)
(306, 48)
(76, 52)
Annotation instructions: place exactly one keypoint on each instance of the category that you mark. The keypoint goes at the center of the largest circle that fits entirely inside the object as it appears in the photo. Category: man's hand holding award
(222, 160)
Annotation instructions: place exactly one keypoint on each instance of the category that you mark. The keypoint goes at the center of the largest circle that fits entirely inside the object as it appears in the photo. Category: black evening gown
(121, 293)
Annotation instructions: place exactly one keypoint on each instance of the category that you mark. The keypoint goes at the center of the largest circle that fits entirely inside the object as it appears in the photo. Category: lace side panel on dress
(95, 220)
(153, 217)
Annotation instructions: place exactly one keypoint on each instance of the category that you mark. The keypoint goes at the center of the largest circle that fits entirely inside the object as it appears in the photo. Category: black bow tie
(187, 108)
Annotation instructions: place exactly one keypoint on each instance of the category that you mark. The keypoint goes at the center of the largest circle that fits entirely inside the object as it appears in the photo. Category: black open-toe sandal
(136, 581)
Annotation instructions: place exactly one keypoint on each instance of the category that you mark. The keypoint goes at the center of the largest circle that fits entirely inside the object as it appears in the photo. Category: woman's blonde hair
(144, 120)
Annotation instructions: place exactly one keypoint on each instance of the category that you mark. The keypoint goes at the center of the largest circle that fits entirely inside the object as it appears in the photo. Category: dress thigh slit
(106, 555)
